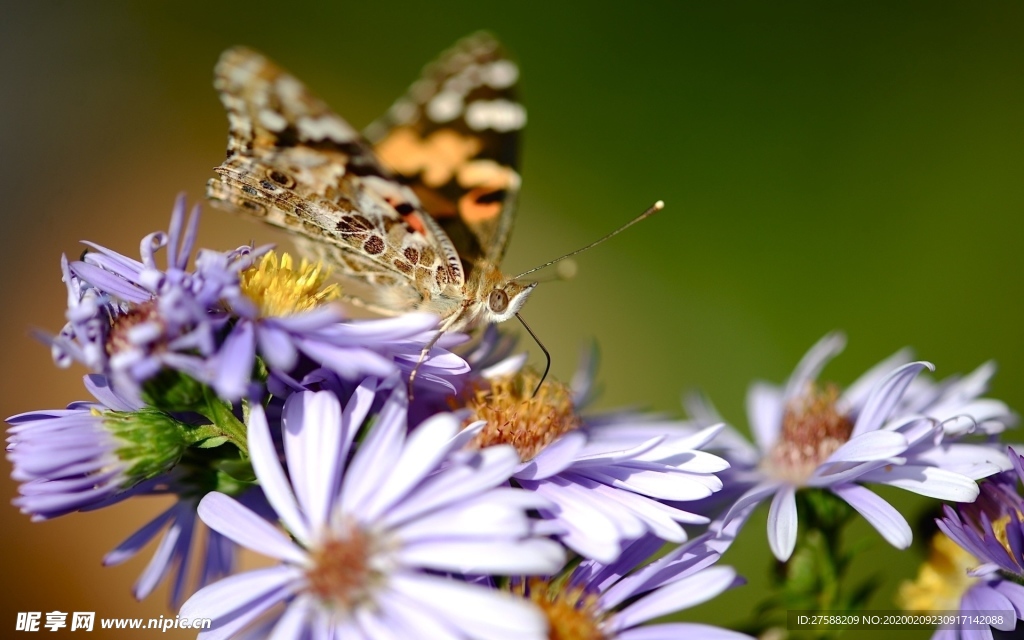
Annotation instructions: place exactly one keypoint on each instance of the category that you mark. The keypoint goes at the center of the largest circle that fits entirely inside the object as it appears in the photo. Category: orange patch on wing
(472, 210)
(413, 220)
(437, 157)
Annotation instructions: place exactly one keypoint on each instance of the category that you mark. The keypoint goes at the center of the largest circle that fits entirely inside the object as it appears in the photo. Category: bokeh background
(851, 165)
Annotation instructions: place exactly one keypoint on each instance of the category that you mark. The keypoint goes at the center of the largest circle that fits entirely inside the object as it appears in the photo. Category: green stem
(224, 421)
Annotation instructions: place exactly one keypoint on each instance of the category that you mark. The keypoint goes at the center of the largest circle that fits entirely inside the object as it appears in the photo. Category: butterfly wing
(294, 163)
(454, 139)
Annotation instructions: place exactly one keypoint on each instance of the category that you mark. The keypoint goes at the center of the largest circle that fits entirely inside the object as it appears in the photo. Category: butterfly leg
(443, 329)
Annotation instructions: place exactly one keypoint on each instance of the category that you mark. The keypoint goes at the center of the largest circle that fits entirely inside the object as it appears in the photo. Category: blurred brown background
(845, 165)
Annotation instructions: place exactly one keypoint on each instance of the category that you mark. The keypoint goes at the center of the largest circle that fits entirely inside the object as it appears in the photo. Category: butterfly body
(418, 219)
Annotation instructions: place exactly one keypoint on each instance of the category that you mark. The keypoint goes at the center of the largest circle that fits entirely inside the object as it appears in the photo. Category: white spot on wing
(502, 74)
(272, 120)
(325, 128)
(500, 115)
(444, 107)
(291, 91)
(239, 123)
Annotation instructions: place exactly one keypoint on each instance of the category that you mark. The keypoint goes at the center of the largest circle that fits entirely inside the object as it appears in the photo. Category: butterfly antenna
(547, 356)
(654, 208)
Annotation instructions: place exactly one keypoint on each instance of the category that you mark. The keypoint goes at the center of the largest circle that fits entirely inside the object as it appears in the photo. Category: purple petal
(678, 630)
(879, 513)
(479, 612)
(234, 592)
(870, 446)
(424, 451)
(555, 458)
(926, 481)
(751, 497)
(228, 517)
(886, 395)
(782, 523)
(295, 619)
(764, 412)
(987, 599)
(235, 602)
(416, 620)
(235, 361)
(1014, 593)
(312, 440)
(110, 283)
(377, 455)
(485, 557)
(134, 543)
(175, 542)
(679, 595)
(273, 481)
(277, 348)
(857, 393)
(812, 363)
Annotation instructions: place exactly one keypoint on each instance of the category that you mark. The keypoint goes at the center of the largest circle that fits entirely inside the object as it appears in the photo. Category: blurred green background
(825, 165)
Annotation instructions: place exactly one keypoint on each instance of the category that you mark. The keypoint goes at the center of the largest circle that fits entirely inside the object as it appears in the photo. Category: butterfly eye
(282, 179)
(498, 301)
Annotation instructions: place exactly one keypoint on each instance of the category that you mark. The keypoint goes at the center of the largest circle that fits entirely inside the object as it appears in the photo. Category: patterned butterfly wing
(294, 163)
(454, 139)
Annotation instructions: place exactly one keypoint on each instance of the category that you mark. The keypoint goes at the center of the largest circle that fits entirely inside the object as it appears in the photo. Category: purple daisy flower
(71, 459)
(607, 476)
(96, 454)
(372, 531)
(990, 533)
(282, 315)
(612, 601)
(813, 436)
(129, 319)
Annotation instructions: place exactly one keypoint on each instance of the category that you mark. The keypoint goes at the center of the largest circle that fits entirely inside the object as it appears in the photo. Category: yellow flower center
(572, 613)
(279, 289)
(812, 430)
(517, 417)
(941, 581)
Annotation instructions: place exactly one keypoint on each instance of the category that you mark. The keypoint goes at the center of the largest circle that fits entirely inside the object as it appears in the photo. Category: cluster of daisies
(487, 504)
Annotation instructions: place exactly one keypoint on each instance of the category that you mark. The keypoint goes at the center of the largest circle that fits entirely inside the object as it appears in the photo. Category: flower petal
(273, 481)
(238, 591)
(870, 446)
(312, 441)
(764, 413)
(479, 612)
(926, 481)
(812, 363)
(782, 523)
(682, 594)
(886, 395)
(879, 513)
(228, 517)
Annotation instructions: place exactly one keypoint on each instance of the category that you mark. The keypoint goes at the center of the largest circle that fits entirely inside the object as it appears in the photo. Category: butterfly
(415, 214)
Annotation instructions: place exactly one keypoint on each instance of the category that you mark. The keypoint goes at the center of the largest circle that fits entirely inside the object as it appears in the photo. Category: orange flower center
(812, 430)
(121, 326)
(517, 417)
(572, 613)
(341, 575)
